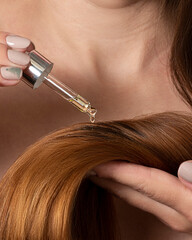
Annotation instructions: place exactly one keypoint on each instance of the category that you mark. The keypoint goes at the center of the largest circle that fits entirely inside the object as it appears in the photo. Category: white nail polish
(185, 171)
(15, 41)
(19, 58)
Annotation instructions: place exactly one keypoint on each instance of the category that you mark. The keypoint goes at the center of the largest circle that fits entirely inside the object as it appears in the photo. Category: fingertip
(9, 83)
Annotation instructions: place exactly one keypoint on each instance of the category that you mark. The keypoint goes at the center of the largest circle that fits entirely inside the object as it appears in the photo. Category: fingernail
(19, 58)
(11, 72)
(15, 41)
(185, 171)
(91, 173)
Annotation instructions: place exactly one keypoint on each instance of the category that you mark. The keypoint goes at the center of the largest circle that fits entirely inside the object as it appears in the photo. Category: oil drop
(84, 106)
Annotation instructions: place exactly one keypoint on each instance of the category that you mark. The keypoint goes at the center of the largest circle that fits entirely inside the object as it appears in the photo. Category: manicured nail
(19, 58)
(15, 41)
(185, 171)
(11, 72)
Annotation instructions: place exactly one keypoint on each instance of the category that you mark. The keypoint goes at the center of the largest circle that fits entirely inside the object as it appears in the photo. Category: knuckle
(143, 188)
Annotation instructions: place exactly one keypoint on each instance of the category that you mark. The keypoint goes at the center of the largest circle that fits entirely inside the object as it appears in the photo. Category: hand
(150, 189)
(13, 58)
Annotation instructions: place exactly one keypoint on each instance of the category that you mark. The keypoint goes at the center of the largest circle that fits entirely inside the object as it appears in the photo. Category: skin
(114, 53)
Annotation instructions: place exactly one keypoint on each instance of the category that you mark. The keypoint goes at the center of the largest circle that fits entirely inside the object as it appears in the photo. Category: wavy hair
(46, 195)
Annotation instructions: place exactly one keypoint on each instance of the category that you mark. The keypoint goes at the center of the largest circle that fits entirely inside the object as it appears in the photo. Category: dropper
(38, 72)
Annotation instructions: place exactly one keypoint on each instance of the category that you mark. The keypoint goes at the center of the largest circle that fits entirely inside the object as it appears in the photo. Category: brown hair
(181, 53)
(46, 195)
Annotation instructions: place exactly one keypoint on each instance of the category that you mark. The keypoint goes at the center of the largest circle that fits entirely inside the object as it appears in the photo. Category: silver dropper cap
(38, 68)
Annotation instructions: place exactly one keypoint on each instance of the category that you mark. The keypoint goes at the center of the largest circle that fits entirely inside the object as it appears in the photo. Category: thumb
(185, 173)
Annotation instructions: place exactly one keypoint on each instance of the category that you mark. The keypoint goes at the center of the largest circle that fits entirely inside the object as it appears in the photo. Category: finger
(10, 83)
(9, 57)
(167, 215)
(16, 42)
(154, 183)
(185, 173)
(10, 76)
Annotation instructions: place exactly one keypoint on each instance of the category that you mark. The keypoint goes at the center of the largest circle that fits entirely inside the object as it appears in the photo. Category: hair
(46, 195)
(181, 52)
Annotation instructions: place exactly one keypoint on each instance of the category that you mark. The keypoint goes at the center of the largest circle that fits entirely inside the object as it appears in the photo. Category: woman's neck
(107, 36)
(104, 31)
